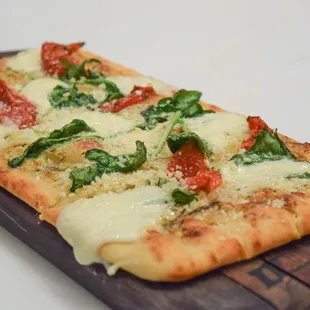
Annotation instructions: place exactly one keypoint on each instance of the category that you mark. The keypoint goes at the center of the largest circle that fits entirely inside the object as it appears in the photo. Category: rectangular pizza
(138, 175)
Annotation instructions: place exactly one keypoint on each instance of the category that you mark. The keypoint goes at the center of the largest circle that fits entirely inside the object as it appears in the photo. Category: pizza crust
(38, 194)
(198, 248)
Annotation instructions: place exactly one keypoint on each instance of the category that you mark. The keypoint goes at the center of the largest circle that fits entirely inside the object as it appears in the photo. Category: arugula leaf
(186, 101)
(78, 71)
(305, 175)
(183, 196)
(66, 133)
(266, 147)
(175, 142)
(106, 163)
(62, 97)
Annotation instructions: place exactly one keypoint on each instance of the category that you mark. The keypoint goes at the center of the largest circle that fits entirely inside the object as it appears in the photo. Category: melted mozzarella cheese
(125, 144)
(220, 130)
(26, 61)
(37, 92)
(105, 124)
(270, 174)
(4, 131)
(87, 224)
(127, 83)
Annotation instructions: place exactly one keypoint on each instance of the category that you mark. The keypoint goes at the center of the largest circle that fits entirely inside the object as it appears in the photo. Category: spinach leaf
(106, 163)
(120, 163)
(83, 176)
(112, 92)
(266, 147)
(80, 75)
(66, 133)
(79, 71)
(62, 97)
(76, 126)
(183, 196)
(305, 175)
(186, 101)
(175, 142)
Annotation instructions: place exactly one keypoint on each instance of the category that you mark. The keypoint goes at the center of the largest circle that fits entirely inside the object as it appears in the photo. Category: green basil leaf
(183, 196)
(186, 101)
(305, 175)
(63, 97)
(66, 133)
(266, 147)
(106, 163)
(175, 142)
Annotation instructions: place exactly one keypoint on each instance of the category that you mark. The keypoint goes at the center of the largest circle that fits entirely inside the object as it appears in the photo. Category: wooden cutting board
(278, 279)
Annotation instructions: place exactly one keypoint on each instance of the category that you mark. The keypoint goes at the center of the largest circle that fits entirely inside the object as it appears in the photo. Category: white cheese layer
(37, 92)
(127, 83)
(269, 174)
(105, 124)
(87, 224)
(4, 131)
(26, 61)
(125, 143)
(220, 130)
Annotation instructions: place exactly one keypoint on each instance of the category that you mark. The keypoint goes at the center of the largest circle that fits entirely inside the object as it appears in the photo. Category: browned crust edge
(24, 186)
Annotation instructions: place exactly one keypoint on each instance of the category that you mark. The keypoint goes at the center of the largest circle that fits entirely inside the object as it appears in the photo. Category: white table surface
(245, 56)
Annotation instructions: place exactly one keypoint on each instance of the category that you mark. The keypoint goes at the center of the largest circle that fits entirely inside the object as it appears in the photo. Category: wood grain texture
(277, 287)
(292, 258)
(123, 291)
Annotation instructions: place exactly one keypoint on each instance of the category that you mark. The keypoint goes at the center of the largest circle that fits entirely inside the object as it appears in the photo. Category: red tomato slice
(137, 95)
(187, 162)
(210, 180)
(256, 124)
(52, 53)
(15, 107)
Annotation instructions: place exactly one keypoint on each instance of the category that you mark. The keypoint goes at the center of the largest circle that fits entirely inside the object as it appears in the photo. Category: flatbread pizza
(139, 175)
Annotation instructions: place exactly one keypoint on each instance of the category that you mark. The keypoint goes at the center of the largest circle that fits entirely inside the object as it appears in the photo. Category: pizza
(138, 175)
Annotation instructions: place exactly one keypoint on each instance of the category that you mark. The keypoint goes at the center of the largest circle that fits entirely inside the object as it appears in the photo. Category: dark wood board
(278, 279)
(123, 291)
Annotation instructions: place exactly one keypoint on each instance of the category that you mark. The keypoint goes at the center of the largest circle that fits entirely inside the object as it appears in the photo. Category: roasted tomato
(16, 108)
(188, 163)
(256, 124)
(53, 53)
(137, 95)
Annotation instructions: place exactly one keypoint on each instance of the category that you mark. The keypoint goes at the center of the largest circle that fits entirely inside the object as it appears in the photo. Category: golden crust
(37, 193)
(198, 247)
(195, 246)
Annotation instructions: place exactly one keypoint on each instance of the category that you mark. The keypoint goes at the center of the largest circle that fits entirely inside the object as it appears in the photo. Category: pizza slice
(138, 175)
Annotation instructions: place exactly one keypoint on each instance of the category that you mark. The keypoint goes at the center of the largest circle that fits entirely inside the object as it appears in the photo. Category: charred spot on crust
(191, 233)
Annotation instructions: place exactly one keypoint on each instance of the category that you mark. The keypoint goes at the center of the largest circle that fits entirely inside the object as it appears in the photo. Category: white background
(245, 56)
